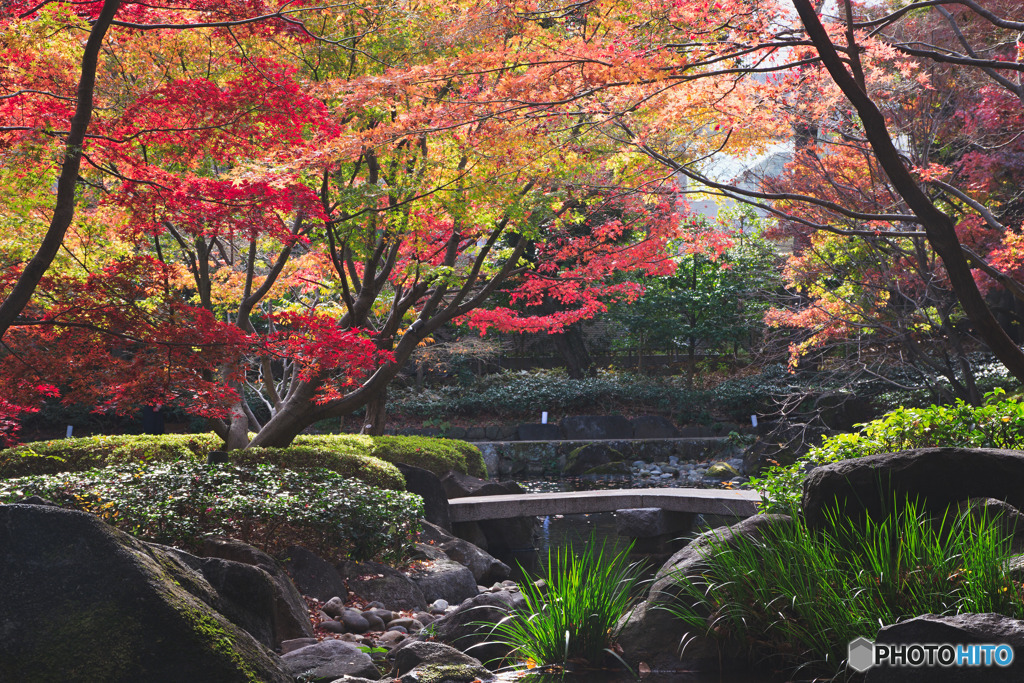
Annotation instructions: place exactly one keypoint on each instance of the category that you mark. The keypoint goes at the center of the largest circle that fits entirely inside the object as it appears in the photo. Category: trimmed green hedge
(369, 459)
(436, 455)
(178, 503)
(83, 453)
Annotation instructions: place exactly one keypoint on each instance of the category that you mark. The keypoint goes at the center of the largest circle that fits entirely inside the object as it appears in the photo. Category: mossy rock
(447, 673)
(94, 604)
(589, 457)
(616, 468)
(721, 470)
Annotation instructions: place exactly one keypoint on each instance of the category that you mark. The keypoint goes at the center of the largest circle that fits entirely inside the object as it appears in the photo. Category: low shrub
(436, 455)
(177, 503)
(574, 616)
(999, 423)
(371, 470)
(797, 597)
(369, 459)
(82, 453)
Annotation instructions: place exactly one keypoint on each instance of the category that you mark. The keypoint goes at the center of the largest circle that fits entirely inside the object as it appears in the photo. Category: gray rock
(334, 607)
(538, 432)
(427, 485)
(459, 485)
(653, 635)
(291, 614)
(332, 626)
(377, 582)
(441, 604)
(653, 427)
(962, 628)
(295, 644)
(484, 567)
(651, 522)
(420, 653)
(476, 434)
(943, 477)
(469, 626)
(314, 576)
(375, 622)
(584, 427)
(83, 601)
(384, 615)
(443, 580)
(329, 660)
(411, 624)
(354, 622)
(589, 457)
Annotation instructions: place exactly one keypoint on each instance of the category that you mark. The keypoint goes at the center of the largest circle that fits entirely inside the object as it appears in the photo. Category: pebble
(332, 626)
(391, 638)
(439, 605)
(375, 622)
(334, 607)
(384, 615)
(397, 629)
(354, 623)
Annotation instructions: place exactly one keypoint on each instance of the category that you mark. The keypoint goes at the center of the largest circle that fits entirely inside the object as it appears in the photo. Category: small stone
(439, 605)
(391, 638)
(296, 643)
(375, 622)
(508, 582)
(639, 464)
(423, 618)
(334, 607)
(349, 637)
(354, 623)
(673, 460)
(397, 629)
(482, 589)
(332, 626)
(376, 605)
(384, 615)
(667, 476)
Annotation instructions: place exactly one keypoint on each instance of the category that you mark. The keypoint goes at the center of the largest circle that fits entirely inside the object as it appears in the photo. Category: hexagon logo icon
(861, 655)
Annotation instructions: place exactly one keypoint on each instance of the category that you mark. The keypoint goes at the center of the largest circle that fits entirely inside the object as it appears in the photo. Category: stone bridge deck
(704, 501)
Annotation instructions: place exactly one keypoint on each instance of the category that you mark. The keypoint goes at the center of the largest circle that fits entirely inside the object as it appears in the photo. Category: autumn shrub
(177, 503)
(999, 423)
(796, 597)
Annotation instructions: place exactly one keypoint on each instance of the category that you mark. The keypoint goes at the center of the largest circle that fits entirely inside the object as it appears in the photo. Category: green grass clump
(573, 618)
(178, 503)
(997, 424)
(796, 597)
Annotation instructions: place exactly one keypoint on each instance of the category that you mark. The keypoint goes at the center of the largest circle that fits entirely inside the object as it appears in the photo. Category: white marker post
(544, 417)
(67, 434)
(753, 420)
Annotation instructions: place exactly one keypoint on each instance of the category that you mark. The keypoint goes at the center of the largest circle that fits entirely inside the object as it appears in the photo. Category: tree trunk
(64, 208)
(376, 412)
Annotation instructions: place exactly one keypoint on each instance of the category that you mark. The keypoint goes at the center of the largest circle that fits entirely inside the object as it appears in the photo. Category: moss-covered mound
(369, 459)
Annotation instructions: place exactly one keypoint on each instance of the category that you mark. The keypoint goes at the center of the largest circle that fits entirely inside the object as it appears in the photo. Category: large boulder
(328, 661)
(375, 582)
(966, 629)
(941, 477)
(459, 485)
(486, 569)
(444, 579)
(428, 486)
(470, 626)
(588, 457)
(420, 652)
(291, 614)
(313, 575)
(536, 431)
(243, 593)
(653, 635)
(586, 427)
(85, 602)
